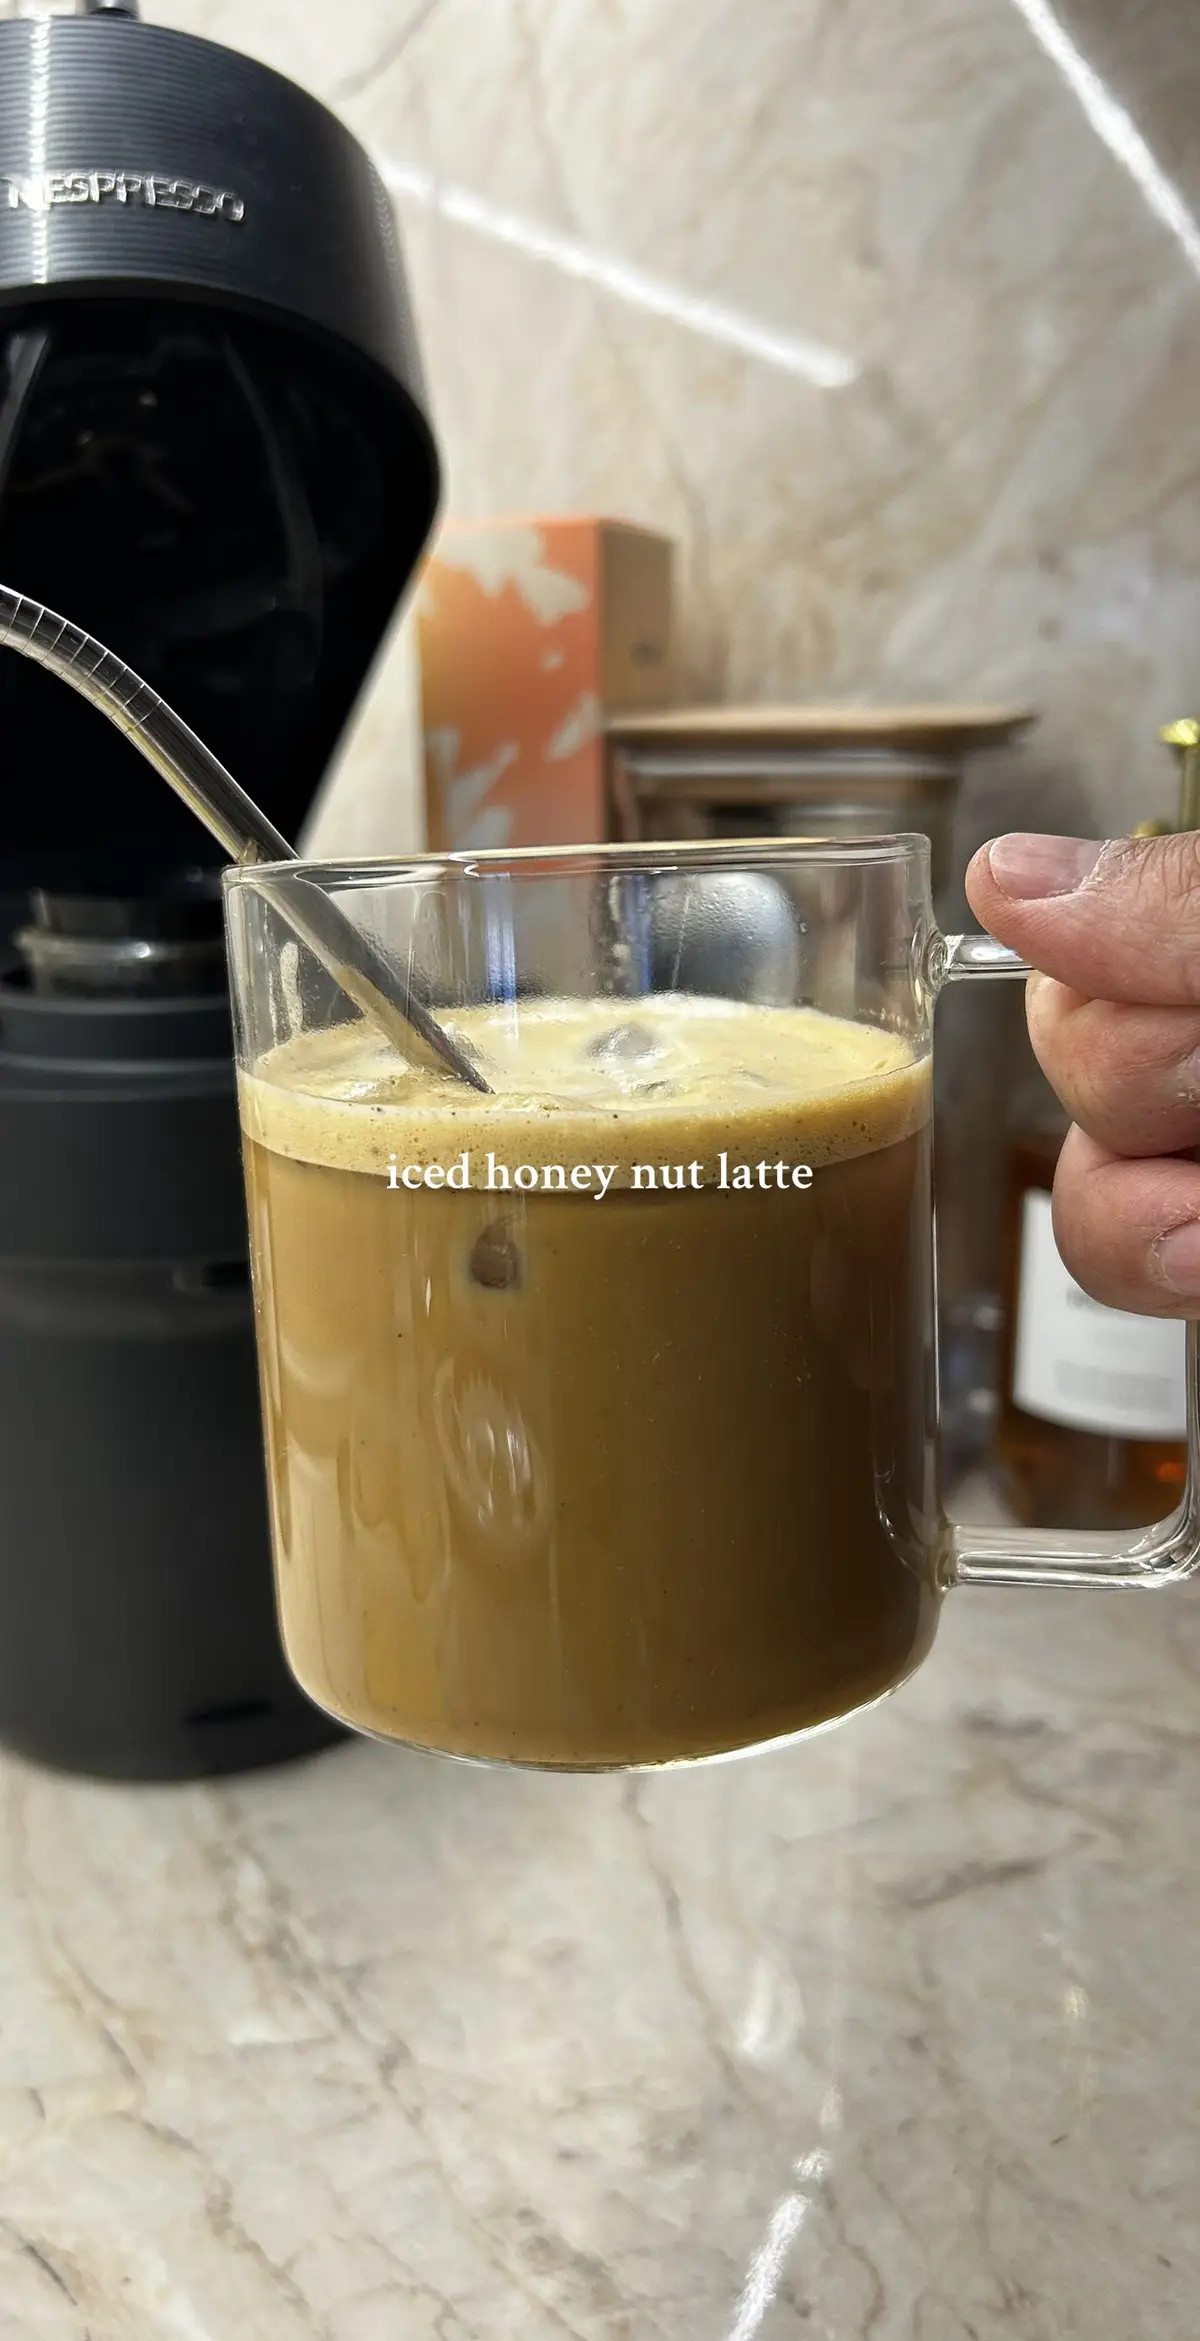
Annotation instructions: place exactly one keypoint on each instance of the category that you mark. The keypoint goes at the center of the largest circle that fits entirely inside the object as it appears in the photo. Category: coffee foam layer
(665, 1079)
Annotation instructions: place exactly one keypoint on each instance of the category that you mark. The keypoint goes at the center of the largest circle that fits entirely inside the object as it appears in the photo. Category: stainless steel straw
(391, 998)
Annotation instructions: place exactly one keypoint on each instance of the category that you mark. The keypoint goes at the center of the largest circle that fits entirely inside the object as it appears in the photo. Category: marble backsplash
(890, 317)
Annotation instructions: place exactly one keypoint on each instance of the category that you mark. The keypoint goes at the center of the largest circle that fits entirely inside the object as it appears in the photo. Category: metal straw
(391, 998)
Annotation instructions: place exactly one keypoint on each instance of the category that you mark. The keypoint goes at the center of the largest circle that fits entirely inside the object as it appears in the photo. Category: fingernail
(1177, 1258)
(1032, 868)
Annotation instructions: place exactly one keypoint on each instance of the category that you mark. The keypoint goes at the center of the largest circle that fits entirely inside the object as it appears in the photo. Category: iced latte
(609, 1469)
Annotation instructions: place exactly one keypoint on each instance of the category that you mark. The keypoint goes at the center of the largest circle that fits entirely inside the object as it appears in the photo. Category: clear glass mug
(601, 1409)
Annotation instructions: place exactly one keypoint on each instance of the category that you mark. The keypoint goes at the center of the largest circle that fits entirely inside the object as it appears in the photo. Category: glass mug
(601, 1409)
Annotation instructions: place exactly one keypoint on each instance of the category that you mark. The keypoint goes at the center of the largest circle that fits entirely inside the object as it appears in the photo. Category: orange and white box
(531, 633)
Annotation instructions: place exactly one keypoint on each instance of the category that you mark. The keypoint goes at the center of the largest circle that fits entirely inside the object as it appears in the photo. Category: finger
(1129, 1076)
(1119, 921)
(1129, 1231)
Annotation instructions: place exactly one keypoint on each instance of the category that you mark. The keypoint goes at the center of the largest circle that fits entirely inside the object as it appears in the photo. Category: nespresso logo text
(149, 190)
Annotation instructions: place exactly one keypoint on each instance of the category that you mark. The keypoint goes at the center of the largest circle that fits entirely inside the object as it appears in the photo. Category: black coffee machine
(214, 455)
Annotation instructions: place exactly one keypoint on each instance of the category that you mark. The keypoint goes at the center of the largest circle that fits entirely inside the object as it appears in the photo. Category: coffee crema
(580, 1479)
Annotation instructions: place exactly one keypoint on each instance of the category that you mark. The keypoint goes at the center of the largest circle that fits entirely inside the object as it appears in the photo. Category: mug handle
(1162, 1555)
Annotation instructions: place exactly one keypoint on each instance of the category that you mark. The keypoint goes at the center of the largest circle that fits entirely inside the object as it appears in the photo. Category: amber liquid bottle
(1090, 1432)
(1092, 1407)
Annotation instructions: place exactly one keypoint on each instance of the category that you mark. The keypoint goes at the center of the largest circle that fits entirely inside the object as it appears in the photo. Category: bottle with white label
(1092, 1410)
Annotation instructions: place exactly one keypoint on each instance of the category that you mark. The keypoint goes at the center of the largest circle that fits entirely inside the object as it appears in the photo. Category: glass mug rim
(888, 849)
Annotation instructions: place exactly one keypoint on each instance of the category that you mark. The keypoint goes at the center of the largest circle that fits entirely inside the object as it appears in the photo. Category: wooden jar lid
(946, 731)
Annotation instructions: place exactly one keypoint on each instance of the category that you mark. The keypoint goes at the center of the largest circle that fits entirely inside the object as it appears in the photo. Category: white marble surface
(889, 2038)
(987, 210)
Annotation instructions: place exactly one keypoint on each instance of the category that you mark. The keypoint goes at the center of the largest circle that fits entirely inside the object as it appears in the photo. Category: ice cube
(495, 1261)
(623, 1044)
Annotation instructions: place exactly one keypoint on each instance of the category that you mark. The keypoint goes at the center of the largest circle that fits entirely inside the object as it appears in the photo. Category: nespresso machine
(214, 455)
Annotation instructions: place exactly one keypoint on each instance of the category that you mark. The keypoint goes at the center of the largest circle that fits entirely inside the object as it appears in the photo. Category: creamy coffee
(585, 1474)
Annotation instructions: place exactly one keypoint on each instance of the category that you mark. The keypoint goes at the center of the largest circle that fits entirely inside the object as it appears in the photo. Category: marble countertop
(892, 2037)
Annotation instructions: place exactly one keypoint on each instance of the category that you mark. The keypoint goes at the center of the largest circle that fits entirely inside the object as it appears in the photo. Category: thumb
(1115, 921)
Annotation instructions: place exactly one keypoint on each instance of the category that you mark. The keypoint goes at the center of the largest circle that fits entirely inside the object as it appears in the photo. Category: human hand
(1114, 1017)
